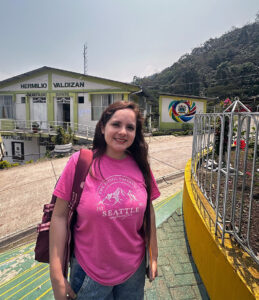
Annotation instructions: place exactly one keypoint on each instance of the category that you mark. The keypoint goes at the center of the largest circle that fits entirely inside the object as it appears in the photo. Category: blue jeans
(88, 289)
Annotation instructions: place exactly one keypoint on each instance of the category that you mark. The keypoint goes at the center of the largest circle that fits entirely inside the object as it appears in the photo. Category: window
(81, 99)
(99, 103)
(6, 107)
(23, 100)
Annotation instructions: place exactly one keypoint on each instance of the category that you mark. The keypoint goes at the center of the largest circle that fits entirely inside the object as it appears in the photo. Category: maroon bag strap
(82, 169)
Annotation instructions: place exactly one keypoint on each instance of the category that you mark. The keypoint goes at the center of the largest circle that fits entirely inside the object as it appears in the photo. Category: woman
(115, 216)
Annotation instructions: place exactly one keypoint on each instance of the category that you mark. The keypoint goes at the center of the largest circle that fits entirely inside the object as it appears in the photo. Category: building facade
(49, 97)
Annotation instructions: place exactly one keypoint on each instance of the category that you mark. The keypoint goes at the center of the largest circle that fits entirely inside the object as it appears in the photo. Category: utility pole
(85, 58)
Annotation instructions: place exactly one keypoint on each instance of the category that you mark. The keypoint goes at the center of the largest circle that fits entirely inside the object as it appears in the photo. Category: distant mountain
(223, 67)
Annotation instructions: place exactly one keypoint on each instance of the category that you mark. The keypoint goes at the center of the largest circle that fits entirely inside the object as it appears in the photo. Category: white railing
(35, 126)
(225, 165)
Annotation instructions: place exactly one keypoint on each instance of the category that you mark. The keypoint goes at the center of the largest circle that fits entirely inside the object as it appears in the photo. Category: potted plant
(35, 127)
(63, 140)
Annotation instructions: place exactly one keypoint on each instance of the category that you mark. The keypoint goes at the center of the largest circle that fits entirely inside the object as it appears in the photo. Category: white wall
(32, 149)
(72, 110)
(20, 108)
(59, 82)
(117, 97)
(165, 115)
(84, 110)
(41, 81)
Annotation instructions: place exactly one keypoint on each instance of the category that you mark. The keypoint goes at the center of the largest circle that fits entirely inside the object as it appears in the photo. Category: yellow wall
(229, 272)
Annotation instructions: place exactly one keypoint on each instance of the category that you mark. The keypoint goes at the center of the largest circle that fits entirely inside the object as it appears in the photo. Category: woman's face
(119, 132)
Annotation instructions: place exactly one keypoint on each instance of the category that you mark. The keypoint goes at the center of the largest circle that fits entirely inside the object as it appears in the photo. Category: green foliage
(62, 137)
(59, 156)
(4, 164)
(159, 133)
(222, 67)
(186, 126)
(15, 165)
(48, 154)
(29, 162)
(173, 132)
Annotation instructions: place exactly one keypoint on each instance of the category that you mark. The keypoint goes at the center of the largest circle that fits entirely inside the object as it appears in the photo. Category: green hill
(222, 67)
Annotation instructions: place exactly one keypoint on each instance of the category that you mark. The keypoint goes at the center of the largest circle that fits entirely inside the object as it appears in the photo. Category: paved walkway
(178, 277)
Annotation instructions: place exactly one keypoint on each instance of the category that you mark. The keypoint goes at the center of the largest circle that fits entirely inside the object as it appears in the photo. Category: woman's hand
(58, 232)
(70, 294)
(153, 273)
(62, 289)
(153, 245)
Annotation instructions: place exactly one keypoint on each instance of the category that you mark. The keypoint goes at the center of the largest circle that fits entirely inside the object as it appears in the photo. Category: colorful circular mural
(182, 111)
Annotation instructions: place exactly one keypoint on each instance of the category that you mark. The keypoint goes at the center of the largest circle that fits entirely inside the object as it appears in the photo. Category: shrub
(29, 162)
(158, 133)
(4, 164)
(15, 165)
(186, 126)
(62, 137)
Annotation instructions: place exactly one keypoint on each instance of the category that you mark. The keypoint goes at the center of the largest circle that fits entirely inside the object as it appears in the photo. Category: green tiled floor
(178, 276)
(23, 278)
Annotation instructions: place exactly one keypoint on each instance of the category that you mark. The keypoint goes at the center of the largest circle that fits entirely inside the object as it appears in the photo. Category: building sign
(17, 137)
(34, 85)
(182, 110)
(73, 84)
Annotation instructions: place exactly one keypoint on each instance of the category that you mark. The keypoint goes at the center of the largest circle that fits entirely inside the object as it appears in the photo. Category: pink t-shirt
(108, 242)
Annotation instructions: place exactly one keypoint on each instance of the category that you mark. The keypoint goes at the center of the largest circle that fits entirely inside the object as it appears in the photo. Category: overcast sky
(124, 37)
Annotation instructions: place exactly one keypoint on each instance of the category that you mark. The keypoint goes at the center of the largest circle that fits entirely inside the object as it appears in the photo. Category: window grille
(65, 100)
(39, 100)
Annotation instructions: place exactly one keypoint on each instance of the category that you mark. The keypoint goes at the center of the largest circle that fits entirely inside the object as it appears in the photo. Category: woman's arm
(153, 244)
(58, 235)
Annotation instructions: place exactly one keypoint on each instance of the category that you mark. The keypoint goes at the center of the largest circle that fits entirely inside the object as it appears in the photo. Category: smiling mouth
(121, 141)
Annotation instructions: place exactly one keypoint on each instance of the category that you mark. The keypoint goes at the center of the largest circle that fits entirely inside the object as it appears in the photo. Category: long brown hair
(138, 150)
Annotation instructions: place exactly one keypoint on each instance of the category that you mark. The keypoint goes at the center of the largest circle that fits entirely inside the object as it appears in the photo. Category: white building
(52, 97)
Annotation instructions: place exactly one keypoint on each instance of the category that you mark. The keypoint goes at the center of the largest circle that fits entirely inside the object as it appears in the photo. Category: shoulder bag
(42, 243)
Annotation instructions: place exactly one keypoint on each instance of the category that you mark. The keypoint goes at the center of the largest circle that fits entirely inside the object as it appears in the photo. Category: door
(39, 111)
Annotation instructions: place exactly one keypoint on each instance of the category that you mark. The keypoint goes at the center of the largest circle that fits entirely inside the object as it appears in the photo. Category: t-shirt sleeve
(154, 188)
(64, 185)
